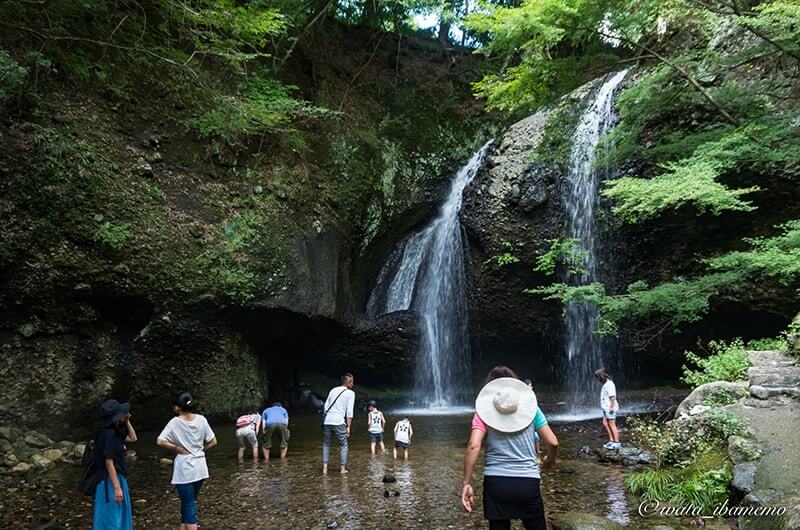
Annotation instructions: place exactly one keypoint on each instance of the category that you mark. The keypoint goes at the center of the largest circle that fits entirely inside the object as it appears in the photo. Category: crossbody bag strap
(332, 404)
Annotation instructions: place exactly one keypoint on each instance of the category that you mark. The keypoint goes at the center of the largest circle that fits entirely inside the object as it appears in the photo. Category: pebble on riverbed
(22, 452)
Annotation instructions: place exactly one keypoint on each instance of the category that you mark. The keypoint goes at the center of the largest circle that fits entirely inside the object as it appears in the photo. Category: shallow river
(293, 493)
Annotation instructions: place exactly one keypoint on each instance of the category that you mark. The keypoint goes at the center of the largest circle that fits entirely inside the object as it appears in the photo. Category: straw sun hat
(506, 404)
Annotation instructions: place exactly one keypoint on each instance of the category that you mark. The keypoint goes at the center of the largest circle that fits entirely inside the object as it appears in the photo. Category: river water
(293, 494)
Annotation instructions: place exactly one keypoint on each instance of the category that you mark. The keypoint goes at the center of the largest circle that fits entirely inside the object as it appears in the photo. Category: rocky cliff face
(139, 260)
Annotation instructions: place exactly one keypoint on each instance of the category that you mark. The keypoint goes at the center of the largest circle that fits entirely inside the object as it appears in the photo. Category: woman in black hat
(112, 502)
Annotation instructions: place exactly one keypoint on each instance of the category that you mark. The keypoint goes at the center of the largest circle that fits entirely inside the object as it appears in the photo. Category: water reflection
(294, 495)
(618, 509)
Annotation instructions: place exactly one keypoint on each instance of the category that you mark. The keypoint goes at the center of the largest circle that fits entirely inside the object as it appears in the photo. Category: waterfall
(584, 347)
(426, 273)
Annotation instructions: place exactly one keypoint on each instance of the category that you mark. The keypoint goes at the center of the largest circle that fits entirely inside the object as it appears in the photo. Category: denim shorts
(609, 415)
(375, 437)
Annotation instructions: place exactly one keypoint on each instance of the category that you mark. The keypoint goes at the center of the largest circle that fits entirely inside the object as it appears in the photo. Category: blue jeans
(340, 431)
(188, 494)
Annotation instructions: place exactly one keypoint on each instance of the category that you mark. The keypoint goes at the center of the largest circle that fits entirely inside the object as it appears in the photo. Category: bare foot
(344, 471)
(324, 469)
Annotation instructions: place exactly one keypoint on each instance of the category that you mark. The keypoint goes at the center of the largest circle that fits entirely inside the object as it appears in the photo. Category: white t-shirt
(191, 435)
(401, 431)
(608, 391)
(375, 426)
(342, 408)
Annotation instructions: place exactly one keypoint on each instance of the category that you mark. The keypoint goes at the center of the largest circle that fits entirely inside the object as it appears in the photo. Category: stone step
(766, 392)
(775, 376)
(767, 357)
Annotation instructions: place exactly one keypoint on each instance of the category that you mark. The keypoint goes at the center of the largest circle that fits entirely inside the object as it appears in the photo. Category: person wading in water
(190, 436)
(609, 404)
(337, 416)
(507, 417)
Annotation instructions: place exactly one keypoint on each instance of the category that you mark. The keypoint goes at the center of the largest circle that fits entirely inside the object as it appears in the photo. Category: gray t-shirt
(511, 454)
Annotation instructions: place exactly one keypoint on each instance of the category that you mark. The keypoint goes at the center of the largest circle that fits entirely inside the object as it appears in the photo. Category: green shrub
(774, 344)
(721, 397)
(724, 422)
(701, 483)
(727, 362)
(113, 235)
(13, 78)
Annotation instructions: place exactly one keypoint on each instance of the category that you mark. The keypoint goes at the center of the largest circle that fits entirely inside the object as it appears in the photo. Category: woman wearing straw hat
(507, 417)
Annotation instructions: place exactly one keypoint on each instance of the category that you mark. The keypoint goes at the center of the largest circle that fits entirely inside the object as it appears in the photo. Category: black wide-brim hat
(112, 411)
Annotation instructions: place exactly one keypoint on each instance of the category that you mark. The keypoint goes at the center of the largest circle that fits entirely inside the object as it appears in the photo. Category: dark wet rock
(40, 463)
(585, 451)
(5, 446)
(8, 434)
(582, 521)
(143, 168)
(389, 478)
(37, 440)
(744, 477)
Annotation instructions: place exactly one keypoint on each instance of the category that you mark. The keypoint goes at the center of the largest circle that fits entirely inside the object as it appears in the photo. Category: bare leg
(372, 448)
(608, 430)
(343, 471)
(255, 454)
(612, 429)
(324, 469)
(394, 452)
(405, 454)
(240, 454)
(191, 527)
(284, 450)
(383, 447)
(265, 452)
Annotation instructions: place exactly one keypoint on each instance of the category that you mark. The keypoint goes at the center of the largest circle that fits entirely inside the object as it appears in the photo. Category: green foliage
(683, 301)
(775, 344)
(556, 143)
(690, 459)
(226, 261)
(505, 258)
(564, 252)
(721, 397)
(724, 422)
(547, 47)
(112, 234)
(13, 78)
(726, 362)
(262, 106)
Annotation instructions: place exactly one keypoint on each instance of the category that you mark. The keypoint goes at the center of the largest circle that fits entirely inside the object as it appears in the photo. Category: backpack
(244, 421)
(90, 475)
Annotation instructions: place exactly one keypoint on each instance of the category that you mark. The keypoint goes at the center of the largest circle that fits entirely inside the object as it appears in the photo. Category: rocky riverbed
(23, 452)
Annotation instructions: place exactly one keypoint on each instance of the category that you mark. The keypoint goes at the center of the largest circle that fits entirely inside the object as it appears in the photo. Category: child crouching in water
(402, 436)
(375, 423)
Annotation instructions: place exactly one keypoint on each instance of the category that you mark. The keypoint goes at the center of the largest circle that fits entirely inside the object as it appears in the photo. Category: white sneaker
(616, 445)
(609, 445)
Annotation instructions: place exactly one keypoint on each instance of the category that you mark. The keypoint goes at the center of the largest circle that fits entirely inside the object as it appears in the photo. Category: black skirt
(512, 498)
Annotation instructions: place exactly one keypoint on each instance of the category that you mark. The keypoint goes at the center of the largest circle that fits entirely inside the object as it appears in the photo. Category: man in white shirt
(337, 417)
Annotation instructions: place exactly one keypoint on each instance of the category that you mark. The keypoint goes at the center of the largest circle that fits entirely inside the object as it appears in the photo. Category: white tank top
(375, 422)
(403, 427)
